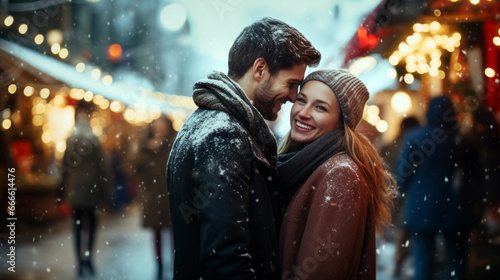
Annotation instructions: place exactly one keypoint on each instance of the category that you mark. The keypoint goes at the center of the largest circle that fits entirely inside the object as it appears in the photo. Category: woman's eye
(321, 108)
(300, 100)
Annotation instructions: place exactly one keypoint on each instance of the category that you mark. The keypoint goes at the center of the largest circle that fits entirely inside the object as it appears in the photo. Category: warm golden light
(401, 102)
(403, 47)
(8, 21)
(39, 108)
(55, 48)
(116, 106)
(88, 95)
(44, 93)
(373, 110)
(107, 80)
(372, 119)
(417, 27)
(474, 2)
(95, 74)
(37, 120)
(46, 137)
(6, 124)
(58, 100)
(436, 55)
(54, 36)
(29, 91)
(362, 65)
(61, 146)
(97, 98)
(80, 67)
(392, 73)
(409, 78)
(381, 126)
(435, 63)
(23, 28)
(39, 39)
(393, 60)
(12, 88)
(433, 72)
(441, 74)
(435, 26)
(411, 67)
(129, 114)
(63, 53)
(437, 12)
(489, 72)
(104, 104)
(496, 40)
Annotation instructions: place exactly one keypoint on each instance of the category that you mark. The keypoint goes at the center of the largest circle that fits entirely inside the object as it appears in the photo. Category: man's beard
(264, 101)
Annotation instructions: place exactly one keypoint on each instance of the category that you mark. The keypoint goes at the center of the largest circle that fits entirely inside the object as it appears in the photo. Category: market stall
(37, 115)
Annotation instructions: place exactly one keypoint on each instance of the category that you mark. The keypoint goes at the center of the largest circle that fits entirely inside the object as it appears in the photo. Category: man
(222, 169)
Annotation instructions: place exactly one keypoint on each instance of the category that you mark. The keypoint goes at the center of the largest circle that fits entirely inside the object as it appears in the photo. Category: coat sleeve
(222, 186)
(332, 243)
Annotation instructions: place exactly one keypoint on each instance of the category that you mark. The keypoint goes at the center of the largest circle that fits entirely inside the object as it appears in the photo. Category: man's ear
(259, 69)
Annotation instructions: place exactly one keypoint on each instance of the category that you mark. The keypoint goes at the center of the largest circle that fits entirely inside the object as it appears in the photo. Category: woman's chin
(298, 139)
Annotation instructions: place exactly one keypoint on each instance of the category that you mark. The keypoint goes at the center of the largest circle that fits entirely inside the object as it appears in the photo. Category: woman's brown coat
(328, 230)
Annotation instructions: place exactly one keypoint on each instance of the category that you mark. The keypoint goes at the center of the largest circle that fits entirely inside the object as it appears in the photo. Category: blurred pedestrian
(151, 164)
(222, 169)
(391, 153)
(425, 175)
(85, 183)
(338, 191)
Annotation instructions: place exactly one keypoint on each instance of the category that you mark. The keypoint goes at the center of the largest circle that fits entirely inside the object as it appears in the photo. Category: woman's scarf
(295, 167)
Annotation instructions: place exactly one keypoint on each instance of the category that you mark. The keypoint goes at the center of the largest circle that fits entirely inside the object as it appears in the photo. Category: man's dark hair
(281, 46)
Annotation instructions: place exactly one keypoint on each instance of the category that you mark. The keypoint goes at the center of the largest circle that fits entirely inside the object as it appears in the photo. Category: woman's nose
(304, 112)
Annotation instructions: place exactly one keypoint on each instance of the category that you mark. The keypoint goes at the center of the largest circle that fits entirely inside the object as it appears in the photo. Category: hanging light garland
(421, 52)
(52, 111)
(135, 114)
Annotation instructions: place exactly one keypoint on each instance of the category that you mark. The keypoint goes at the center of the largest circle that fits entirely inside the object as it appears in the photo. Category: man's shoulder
(206, 126)
(205, 121)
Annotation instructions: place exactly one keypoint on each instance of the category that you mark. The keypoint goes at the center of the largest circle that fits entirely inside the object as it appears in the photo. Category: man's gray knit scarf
(219, 92)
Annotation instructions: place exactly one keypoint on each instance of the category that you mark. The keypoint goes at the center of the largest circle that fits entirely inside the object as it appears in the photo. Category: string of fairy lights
(52, 106)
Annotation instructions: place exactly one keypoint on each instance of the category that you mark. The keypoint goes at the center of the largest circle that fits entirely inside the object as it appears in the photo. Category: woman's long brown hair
(382, 185)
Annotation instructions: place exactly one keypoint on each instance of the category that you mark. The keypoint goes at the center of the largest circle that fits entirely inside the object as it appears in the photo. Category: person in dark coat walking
(425, 175)
(85, 183)
(390, 153)
(151, 164)
(222, 168)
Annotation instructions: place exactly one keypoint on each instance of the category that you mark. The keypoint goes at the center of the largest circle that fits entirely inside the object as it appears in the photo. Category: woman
(151, 164)
(336, 189)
